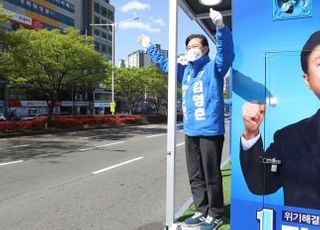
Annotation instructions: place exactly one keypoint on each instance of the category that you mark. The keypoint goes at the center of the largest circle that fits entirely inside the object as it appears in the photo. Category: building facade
(99, 12)
(45, 13)
(140, 59)
(66, 13)
(122, 63)
(60, 14)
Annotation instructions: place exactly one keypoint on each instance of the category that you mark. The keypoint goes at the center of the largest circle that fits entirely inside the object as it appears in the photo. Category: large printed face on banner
(284, 9)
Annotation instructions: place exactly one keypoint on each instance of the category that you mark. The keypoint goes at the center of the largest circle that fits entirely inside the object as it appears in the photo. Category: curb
(52, 131)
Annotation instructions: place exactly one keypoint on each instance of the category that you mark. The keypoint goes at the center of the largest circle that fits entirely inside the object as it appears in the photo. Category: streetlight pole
(112, 104)
(113, 30)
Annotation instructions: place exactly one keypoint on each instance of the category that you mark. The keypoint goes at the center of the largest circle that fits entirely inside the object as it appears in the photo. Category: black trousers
(203, 155)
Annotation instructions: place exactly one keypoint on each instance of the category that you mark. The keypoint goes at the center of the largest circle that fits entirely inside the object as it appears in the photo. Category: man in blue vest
(203, 114)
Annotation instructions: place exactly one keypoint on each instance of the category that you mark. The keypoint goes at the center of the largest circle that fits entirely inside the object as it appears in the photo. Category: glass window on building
(96, 32)
(110, 28)
(109, 49)
(103, 48)
(104, 11)
(109, 37)
(101, 96)
(97, 46)
(103, 35)
(103, 21)
(97, 7)
(2, 93)
(96, 20)
(110, 15)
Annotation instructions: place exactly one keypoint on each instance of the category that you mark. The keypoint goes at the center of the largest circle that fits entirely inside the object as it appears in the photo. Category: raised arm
(158, 58)
(224, 44)
(258, 176)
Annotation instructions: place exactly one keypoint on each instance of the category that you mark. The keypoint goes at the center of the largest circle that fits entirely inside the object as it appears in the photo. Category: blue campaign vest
(202, 87)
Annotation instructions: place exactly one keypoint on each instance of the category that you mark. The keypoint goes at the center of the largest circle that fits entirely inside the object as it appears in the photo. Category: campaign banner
(285, 9)
(275, 115)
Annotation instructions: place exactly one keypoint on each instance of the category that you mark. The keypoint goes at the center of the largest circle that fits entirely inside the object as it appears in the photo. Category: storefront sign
(37, 25)
(64, 4)
(42, 10)
(34, 103)
(19, 17)
(66, 103)
(82, 103)
(101, 104)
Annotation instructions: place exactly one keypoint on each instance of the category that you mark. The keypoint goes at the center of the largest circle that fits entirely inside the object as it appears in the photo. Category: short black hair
(312, 42)
(204, 40)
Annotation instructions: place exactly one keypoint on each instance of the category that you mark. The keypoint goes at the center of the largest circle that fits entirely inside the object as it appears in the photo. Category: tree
(51, 61)
(156, 86)
(130, 85)
(4, 17)
(4, 39)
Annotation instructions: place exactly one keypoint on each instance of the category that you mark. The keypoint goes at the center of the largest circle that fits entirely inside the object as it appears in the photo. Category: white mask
(194, 54)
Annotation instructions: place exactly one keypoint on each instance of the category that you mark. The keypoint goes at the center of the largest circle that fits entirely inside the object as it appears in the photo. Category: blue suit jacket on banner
(298, 148)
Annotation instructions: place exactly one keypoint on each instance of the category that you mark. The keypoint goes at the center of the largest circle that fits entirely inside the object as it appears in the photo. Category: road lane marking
(117, 165)
(101, 135)
(12, 162)
(156, 135)
(180, 144)
(101, 146)
(16, 146)
(85, 138)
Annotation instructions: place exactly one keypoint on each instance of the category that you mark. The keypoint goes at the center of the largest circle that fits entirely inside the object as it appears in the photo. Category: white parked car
(31, 116)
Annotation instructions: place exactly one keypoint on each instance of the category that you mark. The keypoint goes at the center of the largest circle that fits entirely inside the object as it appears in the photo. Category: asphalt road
(112, 178)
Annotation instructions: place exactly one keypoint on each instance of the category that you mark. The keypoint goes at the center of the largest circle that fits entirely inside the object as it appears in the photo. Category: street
(112, 178)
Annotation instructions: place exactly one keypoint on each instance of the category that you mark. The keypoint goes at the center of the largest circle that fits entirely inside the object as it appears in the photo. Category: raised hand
(144, 40)
(216, 18)
(252, 115)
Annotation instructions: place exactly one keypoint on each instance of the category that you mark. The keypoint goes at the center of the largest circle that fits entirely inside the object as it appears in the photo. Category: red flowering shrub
(87, 120)
(10, 126)
(65, 122)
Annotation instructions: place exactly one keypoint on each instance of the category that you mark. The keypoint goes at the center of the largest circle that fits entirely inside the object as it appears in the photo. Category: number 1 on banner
(266, 219)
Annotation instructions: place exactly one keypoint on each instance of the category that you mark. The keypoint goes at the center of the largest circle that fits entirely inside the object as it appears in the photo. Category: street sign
(112, 107)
